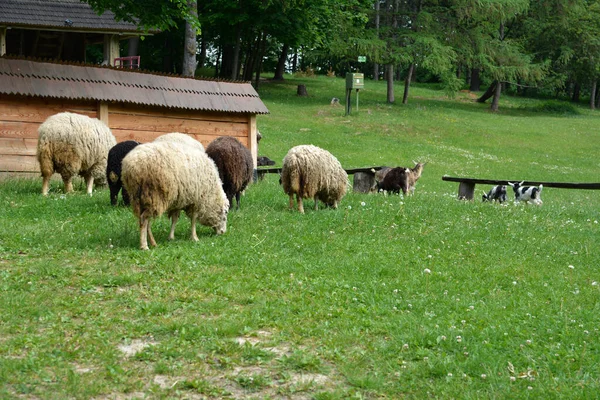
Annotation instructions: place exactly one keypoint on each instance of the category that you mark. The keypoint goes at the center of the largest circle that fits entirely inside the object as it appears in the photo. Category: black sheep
(113, 170)
(235, 165)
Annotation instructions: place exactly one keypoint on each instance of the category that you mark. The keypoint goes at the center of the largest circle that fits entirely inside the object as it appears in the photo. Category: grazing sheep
(235, 165)
(113, 170)
(401, 178)
(497, 193)
(73, 144)
(263, 161)
(311, 172)
(170, 177)
(528, 194)
(379, 175)
(180, 138)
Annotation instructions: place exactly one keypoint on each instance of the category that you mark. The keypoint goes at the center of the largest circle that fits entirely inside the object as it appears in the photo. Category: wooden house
(135, 105)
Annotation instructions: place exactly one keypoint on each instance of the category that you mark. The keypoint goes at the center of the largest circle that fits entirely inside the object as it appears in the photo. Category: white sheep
(170, 177)
(73, 144)
(311, 172)
(180, 138)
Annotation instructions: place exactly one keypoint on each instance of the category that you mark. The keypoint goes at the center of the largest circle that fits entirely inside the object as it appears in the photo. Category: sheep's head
(221, 226)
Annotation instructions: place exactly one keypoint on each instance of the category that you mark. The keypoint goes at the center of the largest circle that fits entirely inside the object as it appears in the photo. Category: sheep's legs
(316, 203)
(174, 218)
(300, 205)
(150, 235)
(194, 235)
(68, 184)
(237, 201)
(45, 185)
(143, 233)
(89, 181)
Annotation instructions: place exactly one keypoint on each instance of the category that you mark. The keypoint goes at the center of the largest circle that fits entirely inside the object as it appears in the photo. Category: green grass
(386, 297)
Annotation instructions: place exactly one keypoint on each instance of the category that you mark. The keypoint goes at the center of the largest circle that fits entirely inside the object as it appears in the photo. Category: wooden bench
(466, 186)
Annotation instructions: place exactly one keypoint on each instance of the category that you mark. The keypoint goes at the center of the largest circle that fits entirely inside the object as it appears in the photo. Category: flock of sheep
(175, 172)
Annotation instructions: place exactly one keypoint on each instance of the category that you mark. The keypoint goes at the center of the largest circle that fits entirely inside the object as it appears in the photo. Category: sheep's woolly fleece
(182, 138)
(310, 171)
(234, 162)
(167, 176)
(75, 144)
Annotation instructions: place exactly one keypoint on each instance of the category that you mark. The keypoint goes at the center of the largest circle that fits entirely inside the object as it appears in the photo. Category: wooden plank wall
(144, 124)
(19, 122)
(20, 118)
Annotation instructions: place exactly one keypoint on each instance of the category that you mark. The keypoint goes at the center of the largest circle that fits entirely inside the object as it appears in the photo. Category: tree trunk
(377, 20)
(475, 85)
(389, 76)
(235, 56)
(301, 91)
(576, 92)
(407, 83)
(280, 70)
(593, 95)
(488, 93)
(190, 46)
(202, 56)
(496, 99)
(295, 61)
(249, 61)
(217, 61)
(261, 53)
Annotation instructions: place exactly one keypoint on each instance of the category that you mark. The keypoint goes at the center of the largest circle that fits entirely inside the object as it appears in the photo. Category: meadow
(385, 297)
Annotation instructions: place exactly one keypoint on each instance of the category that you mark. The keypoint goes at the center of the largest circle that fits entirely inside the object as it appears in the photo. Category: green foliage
(149, 14)
(385, 297)
(554, 107)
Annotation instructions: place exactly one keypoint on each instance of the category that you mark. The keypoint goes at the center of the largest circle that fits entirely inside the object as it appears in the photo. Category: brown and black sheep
(235, 165)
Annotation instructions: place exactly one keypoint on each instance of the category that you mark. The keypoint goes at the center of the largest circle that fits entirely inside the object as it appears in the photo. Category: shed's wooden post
(103, 112)
(466, 190)
(2, 41)
(252, 139)
(111, 49)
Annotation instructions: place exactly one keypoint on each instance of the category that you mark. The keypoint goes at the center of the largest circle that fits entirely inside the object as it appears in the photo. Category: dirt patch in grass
(135, 346)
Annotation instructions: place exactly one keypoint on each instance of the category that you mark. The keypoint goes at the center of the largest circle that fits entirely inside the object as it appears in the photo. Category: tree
(148, 14)
(500, 56)
(191, 44)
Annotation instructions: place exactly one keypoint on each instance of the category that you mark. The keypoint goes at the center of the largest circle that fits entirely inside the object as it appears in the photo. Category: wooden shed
(135, 105)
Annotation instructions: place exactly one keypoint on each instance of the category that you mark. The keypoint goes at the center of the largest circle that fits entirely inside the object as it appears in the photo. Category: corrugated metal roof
(78, 82)
(54, 13)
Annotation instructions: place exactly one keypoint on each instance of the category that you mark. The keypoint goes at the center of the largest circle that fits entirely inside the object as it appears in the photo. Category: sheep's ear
(511, 184)
(521, 184)
(414, 162)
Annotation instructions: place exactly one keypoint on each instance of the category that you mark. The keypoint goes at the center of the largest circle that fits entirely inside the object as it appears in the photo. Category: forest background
(548, 48)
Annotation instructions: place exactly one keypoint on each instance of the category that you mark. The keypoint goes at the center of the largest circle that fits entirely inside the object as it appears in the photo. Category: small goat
(401, 178)
(497, 193)
(528, 194)
(379, 175)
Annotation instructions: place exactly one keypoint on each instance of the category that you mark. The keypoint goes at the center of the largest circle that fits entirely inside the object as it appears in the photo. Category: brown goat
(401, 178)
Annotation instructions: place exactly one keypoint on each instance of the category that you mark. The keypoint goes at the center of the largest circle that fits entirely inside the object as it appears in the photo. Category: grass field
(385, 297)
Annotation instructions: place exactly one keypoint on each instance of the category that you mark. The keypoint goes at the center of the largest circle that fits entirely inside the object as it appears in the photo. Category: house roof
(71, 15)
(79, 82)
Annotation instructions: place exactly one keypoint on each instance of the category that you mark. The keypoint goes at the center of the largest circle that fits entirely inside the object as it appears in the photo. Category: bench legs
(466, 191)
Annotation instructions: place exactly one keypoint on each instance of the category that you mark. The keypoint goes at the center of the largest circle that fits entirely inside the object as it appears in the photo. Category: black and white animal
(528, 194)
(113, 170)
(497, 193)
